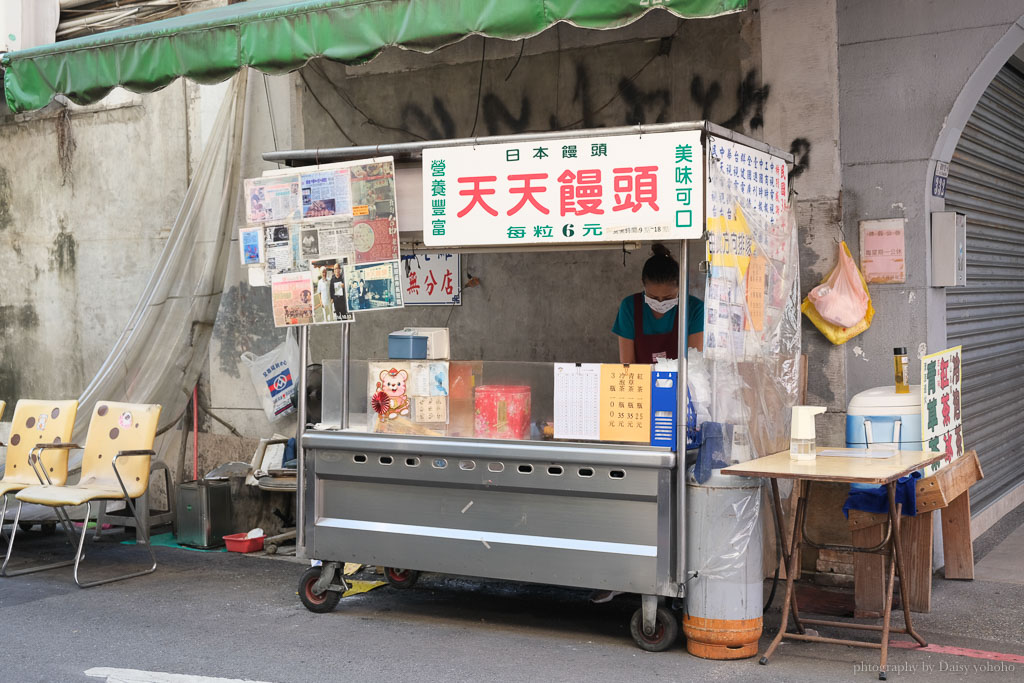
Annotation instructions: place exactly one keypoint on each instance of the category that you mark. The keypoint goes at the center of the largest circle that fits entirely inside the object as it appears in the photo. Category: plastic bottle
(801, 432)
(902, 368)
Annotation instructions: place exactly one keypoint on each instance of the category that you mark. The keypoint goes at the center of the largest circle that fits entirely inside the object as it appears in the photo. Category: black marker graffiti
(442, 129)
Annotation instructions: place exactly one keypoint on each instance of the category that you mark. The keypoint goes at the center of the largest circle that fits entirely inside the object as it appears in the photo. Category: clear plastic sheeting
(160, 353)
(723, 537)
(752, 308)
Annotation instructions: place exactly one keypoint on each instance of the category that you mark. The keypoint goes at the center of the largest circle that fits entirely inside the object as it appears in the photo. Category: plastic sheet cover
(751, 305)
(160, 353)
(752, 356)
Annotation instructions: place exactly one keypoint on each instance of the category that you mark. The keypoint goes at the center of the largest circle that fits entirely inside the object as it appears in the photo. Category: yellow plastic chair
(115, 466)
(37, 451)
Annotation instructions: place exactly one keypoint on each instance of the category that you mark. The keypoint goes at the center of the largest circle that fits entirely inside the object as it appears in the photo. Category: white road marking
(138, 676)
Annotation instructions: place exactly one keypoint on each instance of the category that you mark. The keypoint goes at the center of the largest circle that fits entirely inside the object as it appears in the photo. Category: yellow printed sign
(730, 243)
(626, 403)
(755, 292)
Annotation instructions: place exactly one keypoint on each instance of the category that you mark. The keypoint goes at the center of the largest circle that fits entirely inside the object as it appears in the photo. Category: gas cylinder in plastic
(724, 589)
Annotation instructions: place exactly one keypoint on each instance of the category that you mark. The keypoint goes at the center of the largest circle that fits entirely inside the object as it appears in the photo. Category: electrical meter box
(949, 249)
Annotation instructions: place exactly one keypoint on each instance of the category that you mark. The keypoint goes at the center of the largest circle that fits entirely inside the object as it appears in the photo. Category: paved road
(236, 617)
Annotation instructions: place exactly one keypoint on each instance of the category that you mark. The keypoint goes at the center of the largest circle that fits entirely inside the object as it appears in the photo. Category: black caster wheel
(401, 578)
(881, 675)
(25, 526)
(325, 602)
(666, 630)
(763, 661)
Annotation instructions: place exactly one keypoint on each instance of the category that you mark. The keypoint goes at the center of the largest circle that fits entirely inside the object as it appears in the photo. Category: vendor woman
(648, 321)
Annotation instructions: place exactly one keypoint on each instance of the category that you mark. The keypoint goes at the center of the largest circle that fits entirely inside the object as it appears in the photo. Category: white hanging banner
(431, 278)
(565, 191)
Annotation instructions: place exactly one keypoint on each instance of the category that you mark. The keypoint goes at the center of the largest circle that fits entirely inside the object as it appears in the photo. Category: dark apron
(647, 345)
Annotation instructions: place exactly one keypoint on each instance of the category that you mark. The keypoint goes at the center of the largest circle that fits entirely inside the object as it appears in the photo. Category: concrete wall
(910, 75)
(75, 256)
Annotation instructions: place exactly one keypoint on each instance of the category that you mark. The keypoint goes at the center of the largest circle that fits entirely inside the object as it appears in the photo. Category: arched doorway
(986, 317)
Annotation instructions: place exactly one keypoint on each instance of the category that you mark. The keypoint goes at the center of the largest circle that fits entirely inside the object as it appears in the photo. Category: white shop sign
(565, 191)
(431, 278)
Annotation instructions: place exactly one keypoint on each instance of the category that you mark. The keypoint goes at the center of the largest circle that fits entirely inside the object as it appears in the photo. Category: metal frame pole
(346, 343)
(681, 414)
(300, 465)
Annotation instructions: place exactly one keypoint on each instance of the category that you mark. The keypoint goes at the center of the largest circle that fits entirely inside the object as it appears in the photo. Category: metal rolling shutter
(986, 182)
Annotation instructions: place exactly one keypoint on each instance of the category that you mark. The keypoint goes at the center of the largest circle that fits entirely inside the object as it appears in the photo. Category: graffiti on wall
(739, 107)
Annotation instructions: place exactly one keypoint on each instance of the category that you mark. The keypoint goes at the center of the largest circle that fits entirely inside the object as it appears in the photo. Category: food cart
(580, 513)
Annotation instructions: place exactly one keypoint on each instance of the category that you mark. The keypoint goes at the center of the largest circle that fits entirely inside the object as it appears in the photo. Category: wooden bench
(946, 491)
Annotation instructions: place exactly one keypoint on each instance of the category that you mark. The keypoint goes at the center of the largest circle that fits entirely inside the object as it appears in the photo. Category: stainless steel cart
(588, 515)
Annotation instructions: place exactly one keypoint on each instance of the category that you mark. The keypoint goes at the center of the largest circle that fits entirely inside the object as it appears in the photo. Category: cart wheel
(25, 526)
(324, 602)
(48, 529)
(401, 578)
(666, 630)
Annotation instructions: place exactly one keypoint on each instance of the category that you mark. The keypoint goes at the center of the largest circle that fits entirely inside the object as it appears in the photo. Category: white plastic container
(801, 433)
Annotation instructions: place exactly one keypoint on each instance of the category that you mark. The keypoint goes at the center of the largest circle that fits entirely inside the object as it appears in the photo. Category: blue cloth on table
(876, 499)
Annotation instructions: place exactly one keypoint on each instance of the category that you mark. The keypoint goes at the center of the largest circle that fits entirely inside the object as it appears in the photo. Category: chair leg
(3, 516)
(10, 546)
(101, 513)
(66, 524)
(139, 541)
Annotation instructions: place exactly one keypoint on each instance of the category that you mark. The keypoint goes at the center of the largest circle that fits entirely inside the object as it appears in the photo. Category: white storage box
(438, 347)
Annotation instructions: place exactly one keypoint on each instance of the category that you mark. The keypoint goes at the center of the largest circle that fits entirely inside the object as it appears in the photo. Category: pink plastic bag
(842, 298)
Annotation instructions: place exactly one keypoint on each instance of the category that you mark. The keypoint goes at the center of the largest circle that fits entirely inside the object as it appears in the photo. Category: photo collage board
(325, 239)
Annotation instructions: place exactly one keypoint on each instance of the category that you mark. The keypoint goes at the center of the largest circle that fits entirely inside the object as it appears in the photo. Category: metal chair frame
(140, 529)
(62, 515)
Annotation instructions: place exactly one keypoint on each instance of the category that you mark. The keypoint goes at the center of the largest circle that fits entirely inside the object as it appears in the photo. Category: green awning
(278, 36)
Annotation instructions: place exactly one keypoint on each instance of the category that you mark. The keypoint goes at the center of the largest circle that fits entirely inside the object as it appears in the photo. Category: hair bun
(659, 249)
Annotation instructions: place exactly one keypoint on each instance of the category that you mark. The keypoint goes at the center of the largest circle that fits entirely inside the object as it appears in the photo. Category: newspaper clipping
(273, 198)
(326, 193)
(373, 286)
(250, 242)
(292, 297)
(329, 302)
(325, 239)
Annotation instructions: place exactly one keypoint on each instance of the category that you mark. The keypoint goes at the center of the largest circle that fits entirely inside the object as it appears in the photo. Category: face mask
(661, 307)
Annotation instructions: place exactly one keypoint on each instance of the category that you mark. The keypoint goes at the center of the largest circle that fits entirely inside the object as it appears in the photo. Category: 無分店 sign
(595, 189)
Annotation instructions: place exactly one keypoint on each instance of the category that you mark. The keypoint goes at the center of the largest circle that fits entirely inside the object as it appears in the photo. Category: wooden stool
(947, 490)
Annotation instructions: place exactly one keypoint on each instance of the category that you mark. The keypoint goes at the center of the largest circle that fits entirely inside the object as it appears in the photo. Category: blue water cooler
(884, 418)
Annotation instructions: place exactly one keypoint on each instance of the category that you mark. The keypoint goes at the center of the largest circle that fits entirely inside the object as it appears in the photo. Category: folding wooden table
(839, 469)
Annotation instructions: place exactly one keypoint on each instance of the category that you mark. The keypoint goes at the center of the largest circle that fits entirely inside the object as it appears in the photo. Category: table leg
(784, 544)
(791, 571)
(890, 563)
(894, 515)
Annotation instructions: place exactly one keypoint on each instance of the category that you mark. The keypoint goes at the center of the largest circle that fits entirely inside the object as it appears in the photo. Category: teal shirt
(624, 321)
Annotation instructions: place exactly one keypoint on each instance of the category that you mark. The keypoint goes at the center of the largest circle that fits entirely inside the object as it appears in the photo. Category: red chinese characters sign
(941, 420)
(601, 189)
